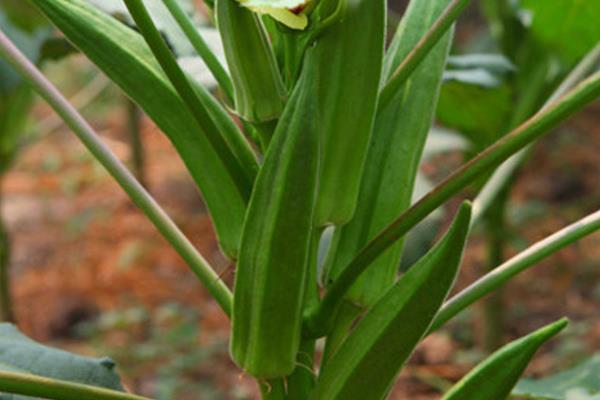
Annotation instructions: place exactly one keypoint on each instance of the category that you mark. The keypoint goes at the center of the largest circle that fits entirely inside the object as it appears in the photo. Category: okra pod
(272, 269)
(394, 156)
(259, 92)
(349, 57)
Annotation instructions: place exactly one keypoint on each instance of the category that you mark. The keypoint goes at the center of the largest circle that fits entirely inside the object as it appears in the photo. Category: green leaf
(477, 111)
(124, 56)
(160, 15)
(582, 382)
(420, 239)
(476, 99)
(394, 155)
(171, 30)
(18, 353)
(569, 27)
(495, 377)
(369, 360)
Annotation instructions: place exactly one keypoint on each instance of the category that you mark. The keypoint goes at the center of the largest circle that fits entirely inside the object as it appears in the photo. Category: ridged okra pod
(273, 263)
(349, 56)
(259, 92)
(394, 155)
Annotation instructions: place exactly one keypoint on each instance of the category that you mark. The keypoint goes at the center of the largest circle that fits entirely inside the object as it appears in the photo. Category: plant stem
(136, 146)
(37, 386)
(301, 382)
(493, 307)
(319, 320)
(190, 31)
(421, 50)
(81, 100)
(516, 265)
(343, 323)
(6, 309)
(102, 153)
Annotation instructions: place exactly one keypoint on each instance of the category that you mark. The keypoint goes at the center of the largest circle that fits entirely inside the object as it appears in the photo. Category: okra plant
(321, 125)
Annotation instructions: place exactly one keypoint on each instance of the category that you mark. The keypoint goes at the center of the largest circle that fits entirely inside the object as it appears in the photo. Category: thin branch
(528, 258)
(47, 388)
(489, 192)
(421, 50)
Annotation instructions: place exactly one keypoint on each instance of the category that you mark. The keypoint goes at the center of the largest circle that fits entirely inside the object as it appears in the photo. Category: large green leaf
(368, 361)
(497, 375)
(394, 155)
(124, 56)
(18, 353)
(570, 27)
(581, 382)
(476, 99)
(186, 56)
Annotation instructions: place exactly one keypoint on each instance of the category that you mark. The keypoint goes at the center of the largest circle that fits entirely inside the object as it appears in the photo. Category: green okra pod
(259, 92)
(274, 254)
(349, 56)
(394, 156)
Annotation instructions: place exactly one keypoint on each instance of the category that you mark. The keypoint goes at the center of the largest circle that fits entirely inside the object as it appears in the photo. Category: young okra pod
(394, 155)
(259, 92)
(349, 56)
(272, 269)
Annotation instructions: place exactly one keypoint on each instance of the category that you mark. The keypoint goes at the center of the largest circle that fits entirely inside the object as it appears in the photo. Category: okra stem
(115, 167)
(31, 385)
(528, 258)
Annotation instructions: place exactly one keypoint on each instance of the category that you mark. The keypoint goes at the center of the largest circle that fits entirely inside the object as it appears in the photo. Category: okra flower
(288, 12)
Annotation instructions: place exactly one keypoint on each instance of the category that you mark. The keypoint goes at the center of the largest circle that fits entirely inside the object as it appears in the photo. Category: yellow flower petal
(286, 17)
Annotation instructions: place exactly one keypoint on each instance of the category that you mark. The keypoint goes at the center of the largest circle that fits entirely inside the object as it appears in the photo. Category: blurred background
(82, 268)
